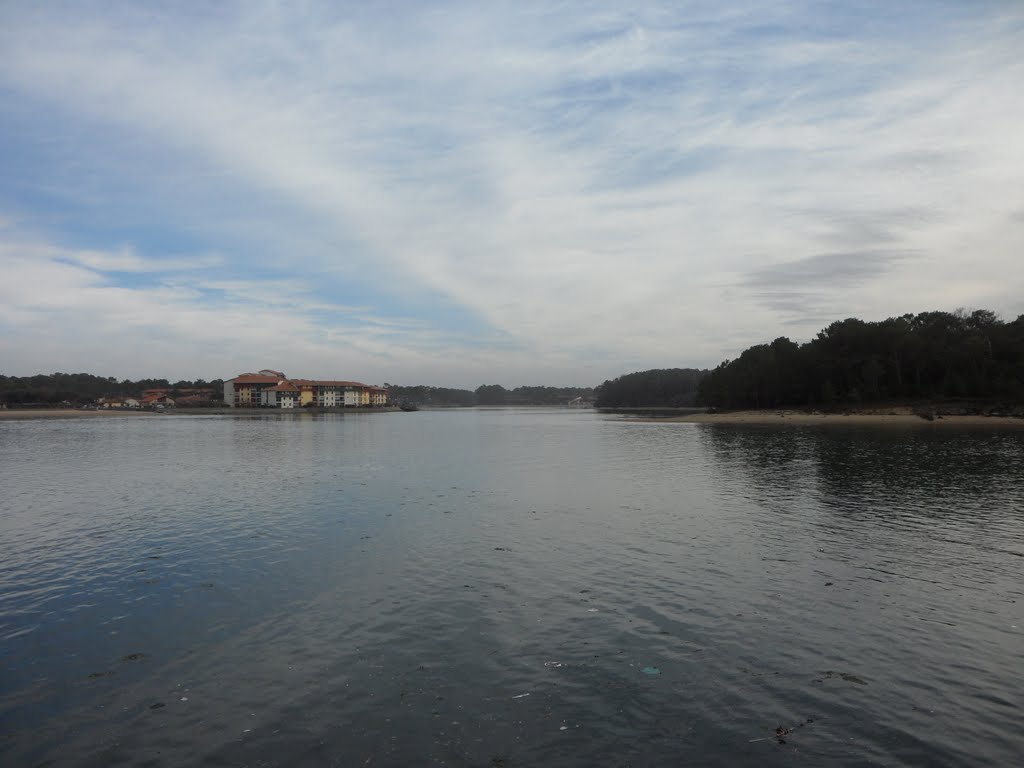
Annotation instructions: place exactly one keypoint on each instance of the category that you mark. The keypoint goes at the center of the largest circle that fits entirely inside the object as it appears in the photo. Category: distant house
(156, 399)
(353, 397)
(283, 395)
(378, 396)
(246, 391)
(115, 403)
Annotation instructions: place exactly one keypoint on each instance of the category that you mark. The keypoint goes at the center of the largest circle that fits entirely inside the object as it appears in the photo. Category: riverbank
(75, 413)
(893, 418)
(64, 413)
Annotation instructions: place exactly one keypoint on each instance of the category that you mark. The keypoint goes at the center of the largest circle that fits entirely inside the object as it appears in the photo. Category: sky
(459, 193)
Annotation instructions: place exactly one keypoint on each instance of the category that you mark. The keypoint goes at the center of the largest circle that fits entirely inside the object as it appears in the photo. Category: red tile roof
(326, 383)
(254, 378)
(259, 378)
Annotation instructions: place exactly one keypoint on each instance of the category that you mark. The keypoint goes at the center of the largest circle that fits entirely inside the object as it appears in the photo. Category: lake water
(508, 588)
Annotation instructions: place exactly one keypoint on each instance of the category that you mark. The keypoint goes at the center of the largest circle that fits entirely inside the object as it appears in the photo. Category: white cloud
(602, 190)
(58, 313)
(127, 260)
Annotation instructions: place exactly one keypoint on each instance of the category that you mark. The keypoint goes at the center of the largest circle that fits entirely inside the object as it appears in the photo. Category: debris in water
(564, 728)
(133, 657)
(651, 671)
(521, 695)
(781, 732)
(553, 664)
(843, 676)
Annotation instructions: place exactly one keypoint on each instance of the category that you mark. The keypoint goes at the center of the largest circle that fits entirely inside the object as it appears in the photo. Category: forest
(660, 387)
(437, 397)
(495, 394)
(487, 394)
(80, 388)
(928, 356)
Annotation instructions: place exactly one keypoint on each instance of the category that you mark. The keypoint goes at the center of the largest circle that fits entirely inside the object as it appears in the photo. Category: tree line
(657, 388)
(80, 388)
(437, 397)
(486, 394)
(495, 394)
(931, 355)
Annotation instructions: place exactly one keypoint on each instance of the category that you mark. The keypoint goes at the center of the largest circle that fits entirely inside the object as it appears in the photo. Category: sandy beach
(903, 418)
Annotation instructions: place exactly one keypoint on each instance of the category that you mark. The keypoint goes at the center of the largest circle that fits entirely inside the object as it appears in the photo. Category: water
(507, 588)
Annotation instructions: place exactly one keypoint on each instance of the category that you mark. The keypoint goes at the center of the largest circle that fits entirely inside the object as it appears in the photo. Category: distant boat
(409, 407)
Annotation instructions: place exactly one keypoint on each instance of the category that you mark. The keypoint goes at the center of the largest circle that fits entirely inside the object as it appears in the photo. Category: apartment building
(272, 389)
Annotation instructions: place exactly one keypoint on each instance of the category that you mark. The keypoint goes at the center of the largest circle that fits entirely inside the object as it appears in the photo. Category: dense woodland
(436, 397)
(495, 394)
(932, 355)
(658, 388)
(487, 394)
(81, 388)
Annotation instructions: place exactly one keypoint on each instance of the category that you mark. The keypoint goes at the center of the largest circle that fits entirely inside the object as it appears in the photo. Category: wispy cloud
(127, 260)
(531, 191)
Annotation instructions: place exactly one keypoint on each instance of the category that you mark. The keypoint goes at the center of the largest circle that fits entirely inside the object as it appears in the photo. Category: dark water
(507, 588)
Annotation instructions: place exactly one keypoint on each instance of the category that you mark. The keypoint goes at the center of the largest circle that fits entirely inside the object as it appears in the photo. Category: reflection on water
(507, 587)
(851, 463)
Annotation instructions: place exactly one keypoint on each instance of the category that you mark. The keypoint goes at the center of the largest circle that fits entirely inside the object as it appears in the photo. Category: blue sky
(460, 193)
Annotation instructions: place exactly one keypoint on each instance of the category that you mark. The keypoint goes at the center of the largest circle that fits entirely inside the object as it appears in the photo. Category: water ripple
(507, 587)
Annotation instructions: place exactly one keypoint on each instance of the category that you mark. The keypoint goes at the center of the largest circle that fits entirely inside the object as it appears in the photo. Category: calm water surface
(507, 588)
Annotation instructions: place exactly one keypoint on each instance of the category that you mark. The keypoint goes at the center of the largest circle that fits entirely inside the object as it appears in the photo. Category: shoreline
(901, 417)
(65, 413)
(15, 414)
(802, 418)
